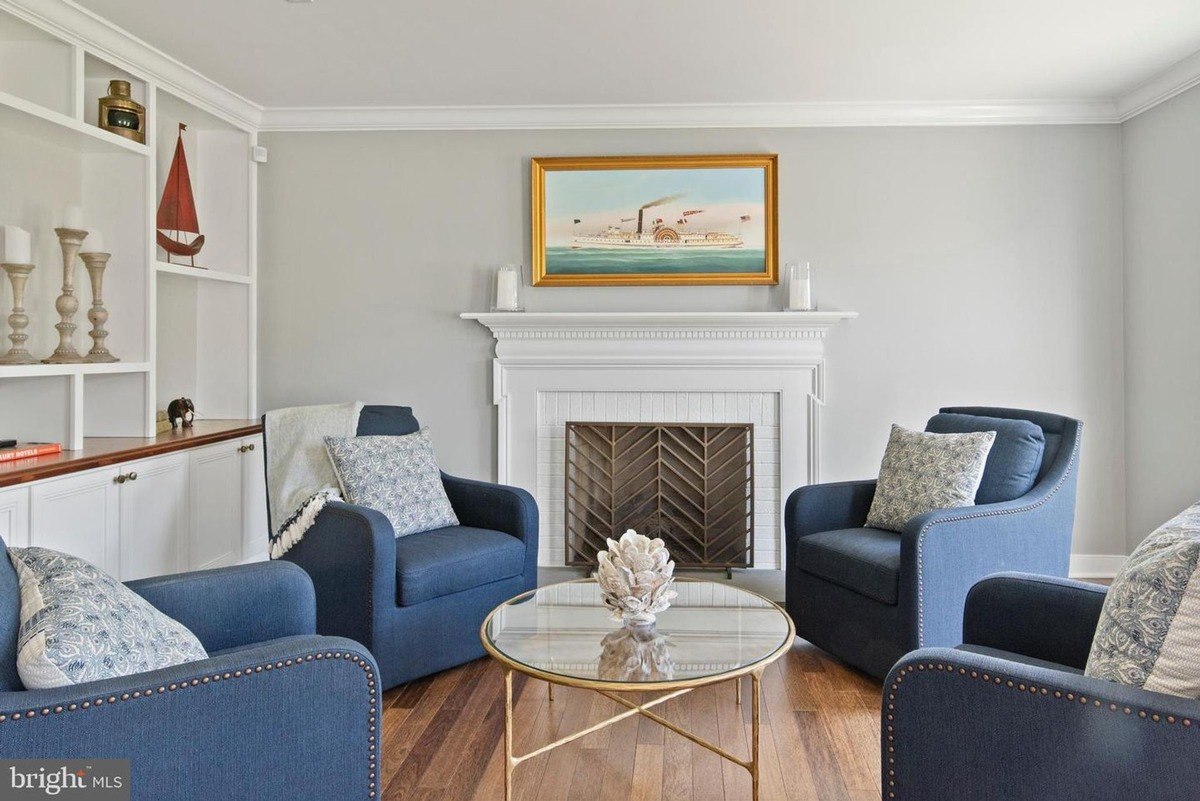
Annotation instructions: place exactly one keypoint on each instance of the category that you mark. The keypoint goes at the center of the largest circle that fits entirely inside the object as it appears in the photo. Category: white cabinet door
(254, 501)
(215, 536)
(78, 514)
(154, 516)
(14, 516)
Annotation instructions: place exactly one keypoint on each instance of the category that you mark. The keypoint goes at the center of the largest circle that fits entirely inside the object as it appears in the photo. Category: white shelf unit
(177, 330)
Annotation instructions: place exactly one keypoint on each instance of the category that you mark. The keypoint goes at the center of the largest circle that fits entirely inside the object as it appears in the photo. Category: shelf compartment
(27, 118)
(201, 274)
(36, 66)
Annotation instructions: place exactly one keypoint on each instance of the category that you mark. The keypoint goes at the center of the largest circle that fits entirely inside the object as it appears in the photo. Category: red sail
(177, 210)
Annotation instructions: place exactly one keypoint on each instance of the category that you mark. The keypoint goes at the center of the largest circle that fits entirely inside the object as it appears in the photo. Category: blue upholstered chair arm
(1040, 616)
(224, 727)
(497, 507)
(350, 553)
(960, 725)
(943, 553)
(828, 507)
(234, 606)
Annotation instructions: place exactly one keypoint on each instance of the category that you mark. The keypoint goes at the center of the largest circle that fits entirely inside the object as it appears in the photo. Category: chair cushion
(1015, 459)
(865, 560)
(79, 624)
(396, 475)
(1012, 656)
(452, 559)
(922, 472)
(1149, 630)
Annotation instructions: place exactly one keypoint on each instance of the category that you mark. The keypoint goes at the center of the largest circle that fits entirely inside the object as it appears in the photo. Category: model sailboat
(177, 209)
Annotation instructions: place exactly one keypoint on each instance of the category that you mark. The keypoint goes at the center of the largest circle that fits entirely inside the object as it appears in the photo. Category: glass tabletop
(565, 630)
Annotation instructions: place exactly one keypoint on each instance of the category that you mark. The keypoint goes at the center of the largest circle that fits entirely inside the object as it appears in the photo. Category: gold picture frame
(580, 238)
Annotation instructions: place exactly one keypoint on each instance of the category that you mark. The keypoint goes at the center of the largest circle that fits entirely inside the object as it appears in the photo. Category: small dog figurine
(181, 411)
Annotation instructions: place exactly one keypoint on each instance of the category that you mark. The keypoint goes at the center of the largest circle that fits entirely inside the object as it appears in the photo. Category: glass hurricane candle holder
(506, 289)
(799, 286)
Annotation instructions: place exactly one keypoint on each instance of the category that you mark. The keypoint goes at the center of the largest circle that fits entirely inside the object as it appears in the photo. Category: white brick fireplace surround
(765, 368)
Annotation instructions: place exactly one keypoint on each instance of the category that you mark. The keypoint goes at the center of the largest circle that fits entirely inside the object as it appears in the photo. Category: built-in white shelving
(178, 330)
(202, 274)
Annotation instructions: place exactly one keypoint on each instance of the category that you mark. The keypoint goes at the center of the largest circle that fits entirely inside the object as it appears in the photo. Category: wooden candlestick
(69, 239)
(97, 315)
(18, 320)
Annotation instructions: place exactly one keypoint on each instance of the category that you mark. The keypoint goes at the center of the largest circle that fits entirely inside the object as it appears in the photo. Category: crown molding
(696, 115)
(1162, 87)
(76, 25)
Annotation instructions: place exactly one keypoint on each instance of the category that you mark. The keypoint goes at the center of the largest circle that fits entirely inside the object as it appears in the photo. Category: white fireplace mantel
(765, 368)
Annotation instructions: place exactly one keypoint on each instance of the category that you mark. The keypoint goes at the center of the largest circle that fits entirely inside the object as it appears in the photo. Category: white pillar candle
(799, 287)
(93, 243)
(72, 217)
(18, 248)
(508, 289)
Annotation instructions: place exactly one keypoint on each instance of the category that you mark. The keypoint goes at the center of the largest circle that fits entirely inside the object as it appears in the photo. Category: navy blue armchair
(417, 601)
(870, 596)
(1009, 715)
(274, 712)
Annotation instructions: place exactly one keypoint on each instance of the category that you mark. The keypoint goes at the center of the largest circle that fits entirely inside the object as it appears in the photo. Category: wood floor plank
(442, 739)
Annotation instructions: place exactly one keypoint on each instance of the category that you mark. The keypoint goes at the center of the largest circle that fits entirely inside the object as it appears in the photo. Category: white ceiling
(534, 52)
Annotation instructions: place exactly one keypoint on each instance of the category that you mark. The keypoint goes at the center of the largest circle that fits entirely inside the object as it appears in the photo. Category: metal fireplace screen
(690, 484)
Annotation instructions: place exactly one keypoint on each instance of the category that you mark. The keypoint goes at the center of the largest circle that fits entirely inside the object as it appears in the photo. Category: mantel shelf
(201, 274)
(30, 119)
(38, 370)
(658, 325)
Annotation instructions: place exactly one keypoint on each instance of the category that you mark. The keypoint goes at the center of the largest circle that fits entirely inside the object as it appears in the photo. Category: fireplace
(692, 485)
(766, 369)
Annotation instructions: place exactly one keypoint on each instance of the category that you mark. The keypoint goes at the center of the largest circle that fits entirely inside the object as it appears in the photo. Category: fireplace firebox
(690, 484)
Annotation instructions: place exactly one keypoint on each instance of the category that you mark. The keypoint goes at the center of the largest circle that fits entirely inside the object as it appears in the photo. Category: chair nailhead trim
(908, 670)
(248, 671)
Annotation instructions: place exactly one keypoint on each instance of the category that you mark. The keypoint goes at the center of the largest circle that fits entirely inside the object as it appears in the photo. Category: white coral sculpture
(636, 574)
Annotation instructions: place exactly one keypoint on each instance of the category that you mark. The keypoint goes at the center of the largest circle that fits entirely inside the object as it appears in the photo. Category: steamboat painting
(654, 220)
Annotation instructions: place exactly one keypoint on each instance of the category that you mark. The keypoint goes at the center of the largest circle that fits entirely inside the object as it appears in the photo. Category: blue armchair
(274, 712)
(870, 596)
(417, 601)
(1009, 715)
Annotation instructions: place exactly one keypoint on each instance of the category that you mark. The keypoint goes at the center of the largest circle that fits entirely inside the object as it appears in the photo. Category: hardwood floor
(442, 739)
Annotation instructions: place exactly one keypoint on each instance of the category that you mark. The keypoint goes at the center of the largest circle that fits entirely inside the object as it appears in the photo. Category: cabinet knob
(242, 449)
(133, 476)
(250, 447)
(121, 479)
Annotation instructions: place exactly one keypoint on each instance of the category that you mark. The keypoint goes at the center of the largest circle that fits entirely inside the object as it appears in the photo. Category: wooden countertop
(101, 451)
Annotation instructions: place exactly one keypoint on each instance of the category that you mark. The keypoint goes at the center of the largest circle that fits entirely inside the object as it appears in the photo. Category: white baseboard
(1096, 565)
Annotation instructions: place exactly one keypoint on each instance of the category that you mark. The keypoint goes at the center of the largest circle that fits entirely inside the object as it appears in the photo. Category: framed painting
(620, 220)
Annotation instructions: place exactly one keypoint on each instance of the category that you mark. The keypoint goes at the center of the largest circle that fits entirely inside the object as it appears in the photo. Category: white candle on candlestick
(72, 217)
(17, 245)
(93, 243)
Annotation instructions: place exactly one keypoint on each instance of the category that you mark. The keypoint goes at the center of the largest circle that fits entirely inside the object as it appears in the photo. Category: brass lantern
(121, 114)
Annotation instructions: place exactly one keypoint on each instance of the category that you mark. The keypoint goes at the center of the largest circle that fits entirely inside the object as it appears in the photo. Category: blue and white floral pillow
(1149, 630)
(396, 475)
(79, 624)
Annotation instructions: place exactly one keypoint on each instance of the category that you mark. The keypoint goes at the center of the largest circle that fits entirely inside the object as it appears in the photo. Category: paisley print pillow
(1149, 630)
(79, 624)
(922, 472)
(396, 475)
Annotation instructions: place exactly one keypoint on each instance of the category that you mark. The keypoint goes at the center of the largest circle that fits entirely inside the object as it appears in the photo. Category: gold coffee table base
(751, 765)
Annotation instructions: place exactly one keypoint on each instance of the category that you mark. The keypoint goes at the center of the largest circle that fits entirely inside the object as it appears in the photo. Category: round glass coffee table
(562, 634)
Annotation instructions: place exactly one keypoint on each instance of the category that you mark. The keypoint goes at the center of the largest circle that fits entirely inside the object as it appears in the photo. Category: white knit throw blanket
(300, 475)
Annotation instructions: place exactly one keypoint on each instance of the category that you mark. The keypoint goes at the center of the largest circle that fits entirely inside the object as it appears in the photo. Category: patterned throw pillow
(79, 624)
(396, 475)
(1149, 630)
(922, 472)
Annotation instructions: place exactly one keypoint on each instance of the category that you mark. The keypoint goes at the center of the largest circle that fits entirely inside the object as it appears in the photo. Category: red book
(28, 450)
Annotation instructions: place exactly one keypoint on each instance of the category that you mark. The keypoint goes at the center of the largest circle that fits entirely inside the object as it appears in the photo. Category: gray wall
(1162, 321)
(986, 264)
